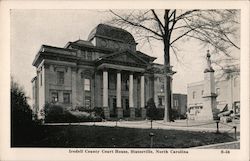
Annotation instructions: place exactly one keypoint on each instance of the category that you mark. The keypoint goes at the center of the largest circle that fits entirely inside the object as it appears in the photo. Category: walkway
(159, 124)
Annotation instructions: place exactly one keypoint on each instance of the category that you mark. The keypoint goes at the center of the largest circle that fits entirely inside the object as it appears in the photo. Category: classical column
(118, 95)
(143, 110)
(73, 84)
(157, 87)
(105, 94)
(131, 96)
(142, 92)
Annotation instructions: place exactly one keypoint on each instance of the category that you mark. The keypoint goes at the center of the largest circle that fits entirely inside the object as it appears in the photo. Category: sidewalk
(230, 145)
(206, 126)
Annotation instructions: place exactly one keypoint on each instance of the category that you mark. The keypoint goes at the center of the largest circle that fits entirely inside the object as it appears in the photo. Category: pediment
(126, 57)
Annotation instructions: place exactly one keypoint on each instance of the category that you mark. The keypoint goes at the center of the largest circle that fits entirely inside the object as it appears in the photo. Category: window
(60, 77)
(83, 54)
(162, 88)
(89, 56)
(127, 84)
(87, 84)
(87, 102)
(202, 92)
(54, 96)
(160, 101)
(111, 81)
(175, 103)
(127, 104)
(218, 91)
(194, 95)
(161, 80)
(66, 98)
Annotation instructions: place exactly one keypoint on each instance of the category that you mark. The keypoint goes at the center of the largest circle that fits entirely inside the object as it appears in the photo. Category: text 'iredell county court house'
(105, 71)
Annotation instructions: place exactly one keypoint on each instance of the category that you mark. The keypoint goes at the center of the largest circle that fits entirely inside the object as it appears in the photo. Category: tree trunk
(167, 69)
(167, 89)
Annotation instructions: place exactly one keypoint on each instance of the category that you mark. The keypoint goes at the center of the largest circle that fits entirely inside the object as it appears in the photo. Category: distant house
(104, 71)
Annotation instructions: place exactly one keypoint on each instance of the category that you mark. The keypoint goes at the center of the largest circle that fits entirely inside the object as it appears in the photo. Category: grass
(75, 136)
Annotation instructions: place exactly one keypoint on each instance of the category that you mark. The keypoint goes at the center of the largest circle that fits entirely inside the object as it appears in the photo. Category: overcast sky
(32, 28)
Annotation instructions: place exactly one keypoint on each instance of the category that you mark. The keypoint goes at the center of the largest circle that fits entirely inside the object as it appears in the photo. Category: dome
(113, 33)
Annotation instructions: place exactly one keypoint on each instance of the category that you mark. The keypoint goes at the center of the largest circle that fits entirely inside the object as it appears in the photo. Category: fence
(153, 124)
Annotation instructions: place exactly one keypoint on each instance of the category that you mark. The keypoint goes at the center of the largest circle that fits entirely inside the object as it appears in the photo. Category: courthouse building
(104, 71)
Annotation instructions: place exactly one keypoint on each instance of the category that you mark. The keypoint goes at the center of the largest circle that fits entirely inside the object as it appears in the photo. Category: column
(73, 84)
(143, 110)
(118, 95)
(157, 87)
(131, 96)
(105, 94)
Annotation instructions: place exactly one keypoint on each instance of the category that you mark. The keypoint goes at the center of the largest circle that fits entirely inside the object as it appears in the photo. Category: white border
(7, 153)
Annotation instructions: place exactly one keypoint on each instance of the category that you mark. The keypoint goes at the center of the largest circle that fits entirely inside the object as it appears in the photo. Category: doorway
(114, 106)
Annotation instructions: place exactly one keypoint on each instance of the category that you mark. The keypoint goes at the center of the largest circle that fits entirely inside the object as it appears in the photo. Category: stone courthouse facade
(105, 71)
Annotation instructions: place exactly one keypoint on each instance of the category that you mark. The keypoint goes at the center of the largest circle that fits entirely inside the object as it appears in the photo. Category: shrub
(57, 114)
(160, 113)
(137, 112)
(175, 114)
(85, 117)
(126, 112)
(21, 114)
(98, 111)
(152, 111)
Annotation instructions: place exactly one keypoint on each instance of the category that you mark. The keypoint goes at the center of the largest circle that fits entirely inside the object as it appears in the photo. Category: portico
(132, 76)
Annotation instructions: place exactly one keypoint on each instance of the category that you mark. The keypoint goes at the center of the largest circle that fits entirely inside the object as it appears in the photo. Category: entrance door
(114, 105)
(127, 104)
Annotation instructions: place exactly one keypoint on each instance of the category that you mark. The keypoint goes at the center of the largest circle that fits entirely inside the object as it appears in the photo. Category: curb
(228, 145)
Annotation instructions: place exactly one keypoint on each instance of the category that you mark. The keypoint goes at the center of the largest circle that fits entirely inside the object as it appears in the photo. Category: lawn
(75, 136)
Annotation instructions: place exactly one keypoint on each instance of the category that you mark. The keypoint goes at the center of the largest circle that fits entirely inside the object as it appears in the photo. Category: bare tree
(217, 28)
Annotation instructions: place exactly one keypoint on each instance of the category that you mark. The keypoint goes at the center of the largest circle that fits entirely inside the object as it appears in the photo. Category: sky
(32, 28)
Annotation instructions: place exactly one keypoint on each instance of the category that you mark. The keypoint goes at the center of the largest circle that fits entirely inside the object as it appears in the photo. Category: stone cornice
(120, 67)
(116, 62)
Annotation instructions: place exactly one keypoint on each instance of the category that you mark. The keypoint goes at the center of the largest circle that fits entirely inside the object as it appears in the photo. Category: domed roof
(110, 32)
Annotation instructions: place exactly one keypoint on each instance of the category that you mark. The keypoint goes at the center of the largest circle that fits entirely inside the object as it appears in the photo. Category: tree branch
(185, 13)
(192, 29)
(136, 24)
(158, 21)
(231, 41)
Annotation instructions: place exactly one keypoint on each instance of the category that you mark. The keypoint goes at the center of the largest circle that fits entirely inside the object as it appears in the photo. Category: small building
(104, 71)
(180, 104)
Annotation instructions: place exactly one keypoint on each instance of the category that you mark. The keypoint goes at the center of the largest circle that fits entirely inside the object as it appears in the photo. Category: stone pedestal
(119, 113)
(209, 108)
(143, 113)
(132, 113)
(106, 112)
